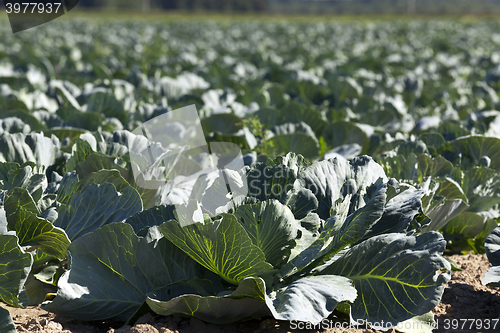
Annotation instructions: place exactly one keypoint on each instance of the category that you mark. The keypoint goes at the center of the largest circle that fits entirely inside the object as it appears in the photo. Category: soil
(464, 298)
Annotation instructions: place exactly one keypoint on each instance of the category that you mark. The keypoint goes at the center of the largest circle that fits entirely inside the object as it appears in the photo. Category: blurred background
(311, 7)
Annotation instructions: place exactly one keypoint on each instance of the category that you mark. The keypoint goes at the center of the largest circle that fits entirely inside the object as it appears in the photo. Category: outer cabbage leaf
(361, 222)
(151, 217)
(419, 324)
(299, 143)
(311, 298)
(298, 138)
(308, 299)
(222, 246)
(6, 322)
(343, 132)
(433, 166)
(95, 206)
(108, 105)
(104, 176)
(66, 188)
(75, 118)
(60, 90)
(271, 226)
(466, 224)
(19, 121)
(492, 277)
(112, 270)
(295, 163)
(492, 247)
(395, 275)
(475, 147)
(81, 149)
(445, 212)
(347, 151)
(411, 161)
(302, 202)
(246, 301)
(402, 167)
(293, 112)
(225, 123)
(20, 198)
(483, 191)
(15, 265)
(37, 232)
(65, 132)
(97, 163)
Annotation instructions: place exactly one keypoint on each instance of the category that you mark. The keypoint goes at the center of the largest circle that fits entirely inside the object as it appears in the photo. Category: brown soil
(464, 298)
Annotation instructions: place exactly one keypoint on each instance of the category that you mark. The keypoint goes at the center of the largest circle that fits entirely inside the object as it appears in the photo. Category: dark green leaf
(15, 266)
(81, 149)
(108, 105)
(225, 123)
(154, 216)
(343, 132)
(112, 270)
(310, 299)
(299, 143)
(75, 118)
(95, 206)
(467, 224)
(6, 322)
(246, 301)
(400, 270)
(492, 246)
(475, 147)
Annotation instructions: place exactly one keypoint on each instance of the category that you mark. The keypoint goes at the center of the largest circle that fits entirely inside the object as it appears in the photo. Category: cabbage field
(370, 150)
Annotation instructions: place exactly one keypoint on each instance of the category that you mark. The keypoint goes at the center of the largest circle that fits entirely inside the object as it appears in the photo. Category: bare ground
(464, 298)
